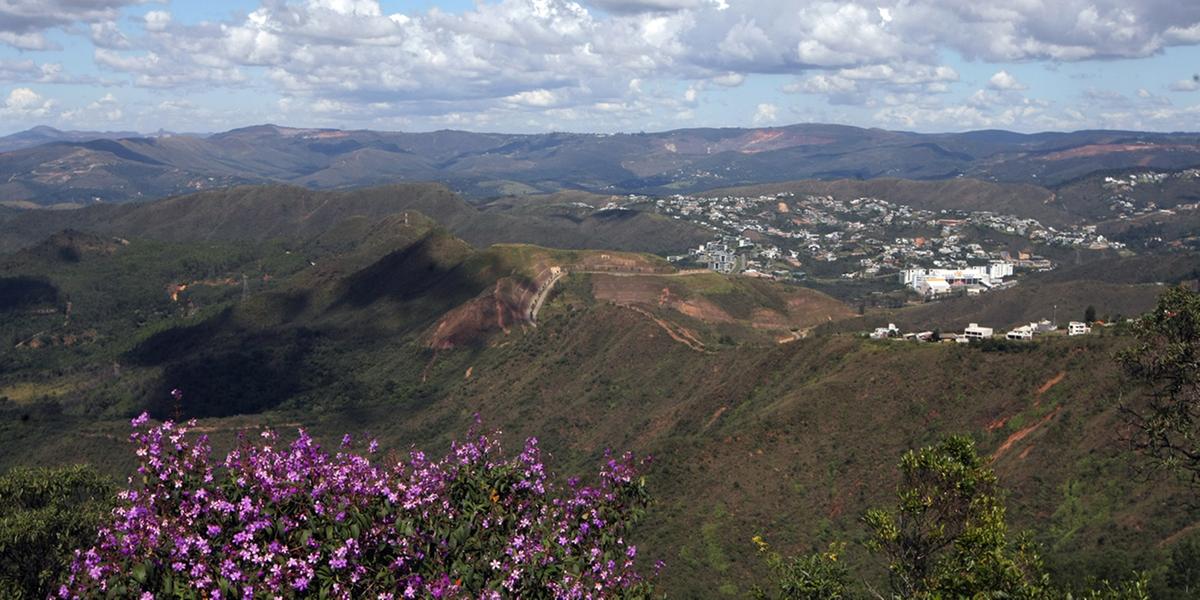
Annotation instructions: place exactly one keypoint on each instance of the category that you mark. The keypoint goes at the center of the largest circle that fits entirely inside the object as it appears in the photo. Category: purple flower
(280, 519)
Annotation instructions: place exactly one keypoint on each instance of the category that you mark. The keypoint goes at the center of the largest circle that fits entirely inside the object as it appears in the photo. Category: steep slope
(339, 329)
(790, 441)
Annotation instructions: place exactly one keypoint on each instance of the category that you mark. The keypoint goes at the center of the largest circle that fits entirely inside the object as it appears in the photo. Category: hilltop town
(788, 236)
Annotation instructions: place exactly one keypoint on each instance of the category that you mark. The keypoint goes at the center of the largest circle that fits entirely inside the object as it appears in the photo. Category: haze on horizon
(599, 65)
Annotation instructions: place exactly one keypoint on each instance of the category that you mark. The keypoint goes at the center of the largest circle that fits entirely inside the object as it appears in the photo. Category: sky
(599, 65)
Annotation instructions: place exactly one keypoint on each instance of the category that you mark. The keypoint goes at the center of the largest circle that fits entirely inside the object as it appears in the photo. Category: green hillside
(391, 325)
(790, 441)
(260, 213)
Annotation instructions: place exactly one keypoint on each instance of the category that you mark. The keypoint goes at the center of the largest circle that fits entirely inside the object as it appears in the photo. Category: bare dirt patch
(1021, 434)
(1053, 381)
(506, 305)
(678, 333)
(1091, 150)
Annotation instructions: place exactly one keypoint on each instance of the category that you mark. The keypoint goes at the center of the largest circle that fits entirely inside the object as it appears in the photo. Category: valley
(766, 409)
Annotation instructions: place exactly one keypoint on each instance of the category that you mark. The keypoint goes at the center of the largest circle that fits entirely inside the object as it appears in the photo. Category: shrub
(44, 515)
(291, 519)
(816, 576)
(1165, 415)
(947, 536)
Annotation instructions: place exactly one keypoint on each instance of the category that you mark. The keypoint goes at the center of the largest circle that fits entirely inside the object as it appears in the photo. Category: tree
(1089, 314)
(44, 515)
(947, 537)
(1165, 415)
(817, 576)
(1182, 576)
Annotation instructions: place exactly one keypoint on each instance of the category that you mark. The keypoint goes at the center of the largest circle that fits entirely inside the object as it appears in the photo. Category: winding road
(543, 292)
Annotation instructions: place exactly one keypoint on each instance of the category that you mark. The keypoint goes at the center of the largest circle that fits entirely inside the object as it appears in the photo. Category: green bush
(45, 514)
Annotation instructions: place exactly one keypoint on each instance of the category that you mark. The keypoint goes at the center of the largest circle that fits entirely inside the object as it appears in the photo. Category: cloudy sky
(599, 65)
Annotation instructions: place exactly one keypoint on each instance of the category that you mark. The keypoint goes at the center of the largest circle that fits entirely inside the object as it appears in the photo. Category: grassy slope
(792, 441)
(259, 213)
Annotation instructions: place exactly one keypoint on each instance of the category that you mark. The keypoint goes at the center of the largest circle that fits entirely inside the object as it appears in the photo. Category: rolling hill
(355, 312)
(78, 169)
(275, 211)
(45, 135)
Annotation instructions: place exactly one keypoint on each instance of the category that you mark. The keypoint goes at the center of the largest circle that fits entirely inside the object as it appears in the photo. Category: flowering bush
(286, 520)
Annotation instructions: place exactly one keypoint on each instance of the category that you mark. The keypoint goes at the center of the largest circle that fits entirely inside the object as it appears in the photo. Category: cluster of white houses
(975, 332)
(722, 256)
(932, 283)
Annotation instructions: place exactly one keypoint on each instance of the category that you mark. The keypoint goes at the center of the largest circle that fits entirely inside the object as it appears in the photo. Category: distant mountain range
(45, 167)
(45, 135)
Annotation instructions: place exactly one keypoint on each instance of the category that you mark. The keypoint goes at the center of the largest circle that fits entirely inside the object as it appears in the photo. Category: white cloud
(860, 85)
(25, 70)
(983, 99)
(157, 20)
(106, 108)
(1005, 82)
(1186, 85)
(765, 114)
(23, 22)
(730, 79)
(153, 70)
(24, 103)
(823, 84)
(105, 34)
(513, 61)
(367, 8)
(27, 41)
(642, 6)
(539, 97)
(991, 109)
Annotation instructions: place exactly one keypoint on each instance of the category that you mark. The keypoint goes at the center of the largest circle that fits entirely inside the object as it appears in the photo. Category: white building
(717, 256)
(1024, 332)
(987, 276)
(932, 286)
(999, 269)
(975, 332)
(885, 332)
(722, 261)
(1078, 328)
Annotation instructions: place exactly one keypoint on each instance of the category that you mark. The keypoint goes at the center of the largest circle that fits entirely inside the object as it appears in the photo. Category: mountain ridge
(483, 165)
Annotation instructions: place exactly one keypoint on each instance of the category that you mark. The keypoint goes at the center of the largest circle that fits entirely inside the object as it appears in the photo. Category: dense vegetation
(1166, 360)
(275, 518)
(947, 537)
(325, 323)
(45, 515)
